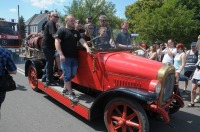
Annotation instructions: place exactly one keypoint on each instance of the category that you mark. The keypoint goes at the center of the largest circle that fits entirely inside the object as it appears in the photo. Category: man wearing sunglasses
(108, 39)
(48, 48)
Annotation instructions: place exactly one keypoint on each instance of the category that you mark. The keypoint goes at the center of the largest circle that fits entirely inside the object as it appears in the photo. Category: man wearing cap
(142, 51)
(191, 60)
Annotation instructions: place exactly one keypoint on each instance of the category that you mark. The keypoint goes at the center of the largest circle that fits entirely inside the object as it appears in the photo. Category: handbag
(7, 83)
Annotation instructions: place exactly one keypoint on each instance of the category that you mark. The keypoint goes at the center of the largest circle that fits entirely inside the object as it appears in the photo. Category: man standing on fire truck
(66, 45)
(48, 47)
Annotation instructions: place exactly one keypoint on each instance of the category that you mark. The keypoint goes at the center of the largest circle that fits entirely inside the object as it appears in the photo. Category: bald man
(66, 45)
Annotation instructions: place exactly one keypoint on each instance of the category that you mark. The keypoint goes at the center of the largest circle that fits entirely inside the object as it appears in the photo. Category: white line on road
(21, 71)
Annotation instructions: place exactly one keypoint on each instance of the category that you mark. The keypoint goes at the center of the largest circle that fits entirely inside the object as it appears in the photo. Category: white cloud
(13, 10)
(45, 3)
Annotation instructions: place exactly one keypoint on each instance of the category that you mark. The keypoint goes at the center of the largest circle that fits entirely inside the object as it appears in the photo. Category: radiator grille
(168, 88)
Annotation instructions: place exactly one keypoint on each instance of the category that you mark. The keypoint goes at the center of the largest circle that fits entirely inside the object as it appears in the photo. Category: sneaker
(50, 84)
(197, 99)
(65, 91)
(43, 79)
(73, 98)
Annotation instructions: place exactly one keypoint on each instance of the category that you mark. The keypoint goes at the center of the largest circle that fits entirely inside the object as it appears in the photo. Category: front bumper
(163, 111)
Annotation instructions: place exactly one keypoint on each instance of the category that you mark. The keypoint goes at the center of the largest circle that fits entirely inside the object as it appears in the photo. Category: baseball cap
(143, 45)
(193, 44)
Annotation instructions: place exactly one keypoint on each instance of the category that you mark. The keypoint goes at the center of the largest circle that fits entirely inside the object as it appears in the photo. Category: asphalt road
(27, 111)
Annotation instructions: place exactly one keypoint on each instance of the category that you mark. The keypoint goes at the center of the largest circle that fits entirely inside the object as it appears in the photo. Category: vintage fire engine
(116, 84)
(10, 37)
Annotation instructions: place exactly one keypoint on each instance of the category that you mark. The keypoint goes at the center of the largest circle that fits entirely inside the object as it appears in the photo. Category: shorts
(195, 81)
(189, 73)
(69, 68)
(56, 54)
(183, 77)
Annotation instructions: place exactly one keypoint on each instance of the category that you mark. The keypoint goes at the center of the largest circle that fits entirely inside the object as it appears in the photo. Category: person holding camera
(169, 52)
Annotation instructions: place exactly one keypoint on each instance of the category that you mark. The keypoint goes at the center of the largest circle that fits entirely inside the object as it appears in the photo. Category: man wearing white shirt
(169, 52)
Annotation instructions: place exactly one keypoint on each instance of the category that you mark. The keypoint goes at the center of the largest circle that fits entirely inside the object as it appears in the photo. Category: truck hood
(124, 63)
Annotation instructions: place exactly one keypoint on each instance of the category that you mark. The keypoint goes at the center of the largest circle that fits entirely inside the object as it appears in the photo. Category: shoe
(197, 99)
(65, 91)
(43, 79)
(50, 84)
(190, 105)
(73, 98)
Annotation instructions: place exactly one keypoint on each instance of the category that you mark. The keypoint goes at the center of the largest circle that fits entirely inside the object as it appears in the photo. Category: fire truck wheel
(123, 115)
(32, 77)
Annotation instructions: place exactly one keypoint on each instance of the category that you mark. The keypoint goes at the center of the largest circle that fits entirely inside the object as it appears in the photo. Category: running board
(82, 107)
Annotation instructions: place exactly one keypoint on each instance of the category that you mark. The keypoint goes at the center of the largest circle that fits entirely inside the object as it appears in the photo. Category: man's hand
(199, 37)
(88, 50)
(62, 58)
(130, 46)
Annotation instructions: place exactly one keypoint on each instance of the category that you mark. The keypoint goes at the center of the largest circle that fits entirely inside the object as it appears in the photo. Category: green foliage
(161, 20)
(83, 8)
(22, 27)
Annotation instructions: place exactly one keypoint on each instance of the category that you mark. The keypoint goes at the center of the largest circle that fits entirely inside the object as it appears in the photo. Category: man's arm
(58, 48)
(170, 53)
(84, 44)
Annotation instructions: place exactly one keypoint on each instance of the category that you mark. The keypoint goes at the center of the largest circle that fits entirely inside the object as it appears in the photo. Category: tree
(162, 20)
(83, 8)
(22, 27)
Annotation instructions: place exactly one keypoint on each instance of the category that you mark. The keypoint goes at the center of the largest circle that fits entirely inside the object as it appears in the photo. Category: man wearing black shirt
(48, 18)
(66, 45)
(123, 38)
(48, 46)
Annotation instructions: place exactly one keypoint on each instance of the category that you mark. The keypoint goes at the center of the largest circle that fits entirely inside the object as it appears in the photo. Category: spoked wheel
(122, 115)
(32, 77)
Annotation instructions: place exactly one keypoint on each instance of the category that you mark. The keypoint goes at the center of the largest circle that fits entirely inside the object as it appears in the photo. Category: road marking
(21, 71)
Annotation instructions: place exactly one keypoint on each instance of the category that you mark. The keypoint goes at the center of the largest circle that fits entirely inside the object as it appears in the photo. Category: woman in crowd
(152, 53)
(195, 84)
(191, 60)
(179, 63)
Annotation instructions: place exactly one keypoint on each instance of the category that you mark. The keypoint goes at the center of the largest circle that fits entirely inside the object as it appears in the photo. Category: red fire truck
(10, 37)
(115, 84)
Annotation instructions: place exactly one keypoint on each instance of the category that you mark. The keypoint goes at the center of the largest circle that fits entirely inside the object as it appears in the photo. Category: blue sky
(28, 8)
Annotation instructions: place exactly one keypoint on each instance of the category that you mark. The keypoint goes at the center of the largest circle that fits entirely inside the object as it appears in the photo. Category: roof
(35, 19)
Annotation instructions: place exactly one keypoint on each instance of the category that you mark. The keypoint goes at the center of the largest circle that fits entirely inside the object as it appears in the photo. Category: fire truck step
(84, 99)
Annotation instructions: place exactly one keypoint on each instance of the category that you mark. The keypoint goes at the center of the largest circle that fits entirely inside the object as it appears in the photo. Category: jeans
(69, 68)
(48, 69)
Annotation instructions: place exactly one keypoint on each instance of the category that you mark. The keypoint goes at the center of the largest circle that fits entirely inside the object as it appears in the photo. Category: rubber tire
(32, 77)
(133, 105)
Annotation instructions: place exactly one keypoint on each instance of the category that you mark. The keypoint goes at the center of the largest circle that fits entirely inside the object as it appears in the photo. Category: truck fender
(178, 98)
(38, 64)
(133, 93)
